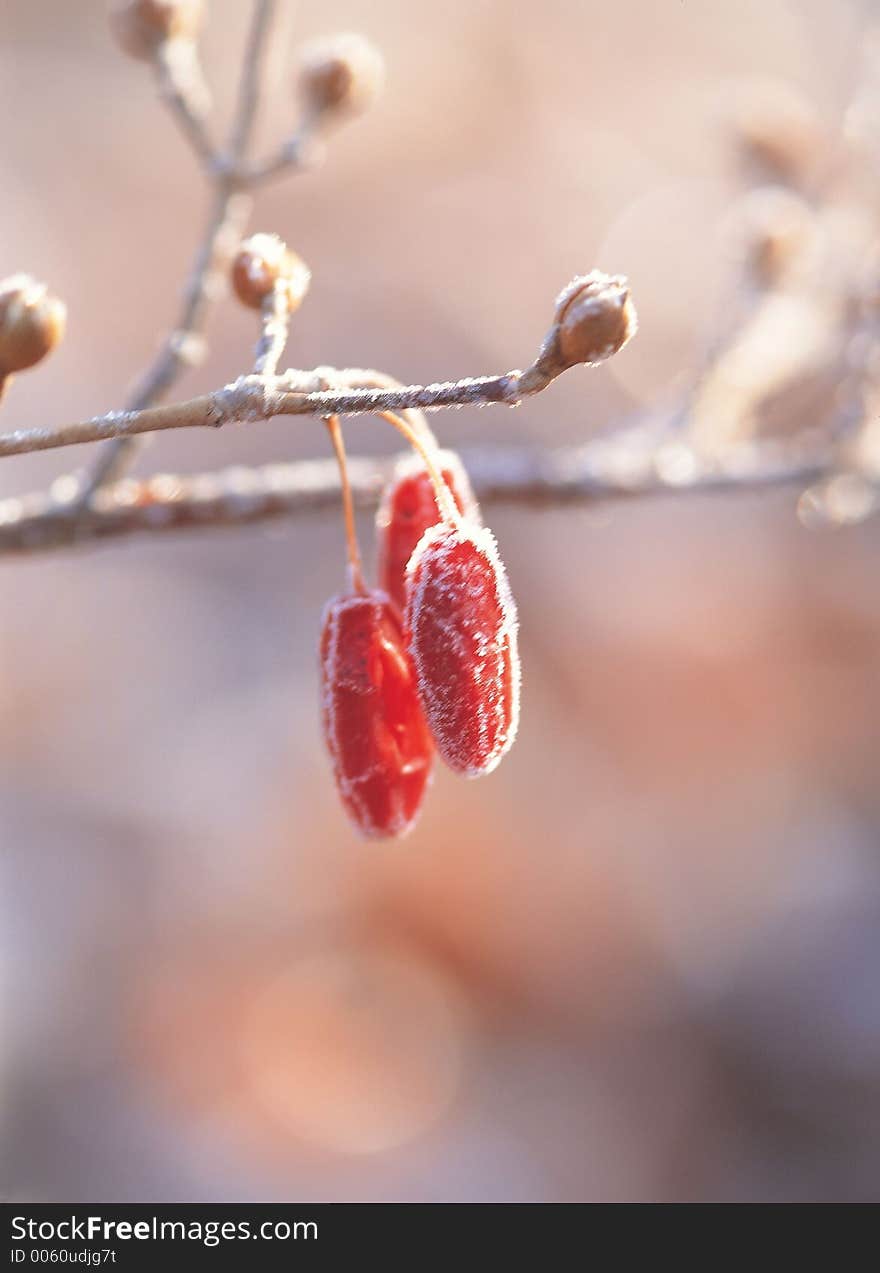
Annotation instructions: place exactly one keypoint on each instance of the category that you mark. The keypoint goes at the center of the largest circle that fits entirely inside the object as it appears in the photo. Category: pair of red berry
(426, 662)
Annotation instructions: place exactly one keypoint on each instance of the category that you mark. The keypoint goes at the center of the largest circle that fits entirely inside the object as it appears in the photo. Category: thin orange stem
(445, 502)
(355, 566)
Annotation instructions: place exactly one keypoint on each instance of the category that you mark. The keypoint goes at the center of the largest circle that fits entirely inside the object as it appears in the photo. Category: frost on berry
(462, 631)
(375, 729)
(409, 508)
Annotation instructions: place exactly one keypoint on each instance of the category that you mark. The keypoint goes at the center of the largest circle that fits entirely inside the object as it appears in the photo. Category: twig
(183, 346)
(602, 470)
(251, 79)
(302, 150)
(369, 378)
(182, 89)
(260, 398)
(229, 214)
(275, 330)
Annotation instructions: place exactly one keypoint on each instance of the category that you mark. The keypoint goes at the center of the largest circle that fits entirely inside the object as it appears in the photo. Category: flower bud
(31, 323)
(140, 26)
(594, 318)
(341, 74)
(261, 262)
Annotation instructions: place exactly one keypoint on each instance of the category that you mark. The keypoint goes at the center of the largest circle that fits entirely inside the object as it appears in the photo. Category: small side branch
(300, 151)
(182, 88)
(251, 79)
(275, 330)
(184, 345)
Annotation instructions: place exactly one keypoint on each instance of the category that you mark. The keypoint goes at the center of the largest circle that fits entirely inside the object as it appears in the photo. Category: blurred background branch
(620, 468)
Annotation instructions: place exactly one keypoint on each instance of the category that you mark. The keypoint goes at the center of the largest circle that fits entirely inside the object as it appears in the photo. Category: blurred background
(639, 961)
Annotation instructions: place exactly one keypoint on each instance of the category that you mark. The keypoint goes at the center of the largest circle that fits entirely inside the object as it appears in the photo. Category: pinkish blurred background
(638, 962)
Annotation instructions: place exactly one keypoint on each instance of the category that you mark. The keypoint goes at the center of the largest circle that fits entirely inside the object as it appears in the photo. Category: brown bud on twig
(140, 26)
(595, 317)
(263, 261)
(341, 74)
(31, 323)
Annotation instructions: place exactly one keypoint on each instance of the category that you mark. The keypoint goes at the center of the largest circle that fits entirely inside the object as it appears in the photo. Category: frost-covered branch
(819, 327)
(253, 67)
(232, 176)
(593, 319)
(182, 87)
(629, 466)
(180, 84)
(255, 397)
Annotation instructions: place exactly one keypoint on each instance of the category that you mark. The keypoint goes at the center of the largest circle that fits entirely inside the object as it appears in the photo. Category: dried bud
(31, 323)
(408, 508)
(262, 261)
(777, 130)
(594, 318)
(776, 228)
(140, 26)
(342, 74)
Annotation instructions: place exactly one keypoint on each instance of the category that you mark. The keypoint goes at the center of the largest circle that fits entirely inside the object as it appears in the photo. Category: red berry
(462, 633)
(373, 721)
(409, 507)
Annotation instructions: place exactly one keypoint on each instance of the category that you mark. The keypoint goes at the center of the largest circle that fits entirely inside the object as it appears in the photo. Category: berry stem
(445, 502)
(355, 566)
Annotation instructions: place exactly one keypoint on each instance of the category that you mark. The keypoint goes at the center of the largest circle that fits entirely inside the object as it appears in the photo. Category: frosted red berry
(461, 629)
(408, 508)
(375, 729)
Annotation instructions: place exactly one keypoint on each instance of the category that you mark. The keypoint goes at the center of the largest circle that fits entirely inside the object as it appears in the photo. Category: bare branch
(182, 88)
(300, 151)
(251, 79)
(183, 347)
(628, 466)
(257, 397)
(229, 214)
